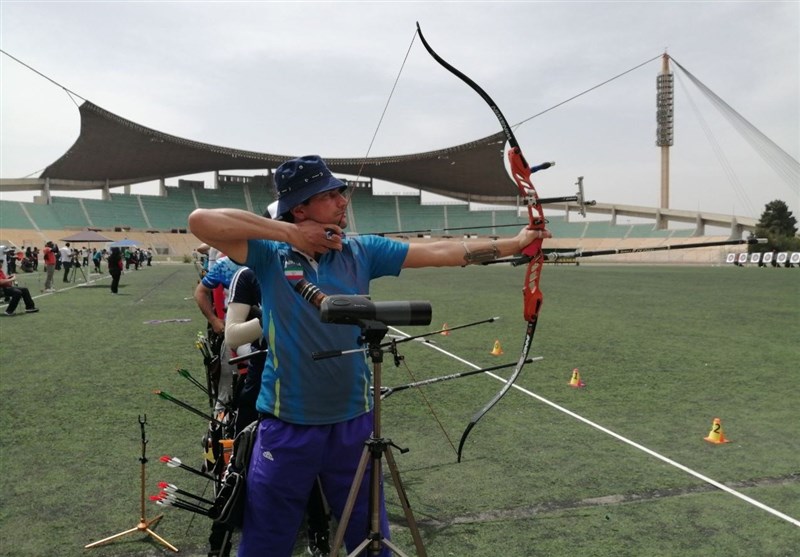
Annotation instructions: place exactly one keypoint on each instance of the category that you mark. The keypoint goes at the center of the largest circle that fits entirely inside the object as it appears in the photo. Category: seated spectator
(15, 293)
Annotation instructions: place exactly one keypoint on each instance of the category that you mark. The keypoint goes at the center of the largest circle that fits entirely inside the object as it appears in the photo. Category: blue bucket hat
(298, 179)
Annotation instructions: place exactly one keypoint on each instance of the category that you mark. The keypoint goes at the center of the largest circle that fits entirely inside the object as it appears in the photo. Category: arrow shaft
(180, 505)
(192, 409)
(553, 256)
(172, 498)
(173, 489)
(185, 373)
(671, 247)
(176, 463)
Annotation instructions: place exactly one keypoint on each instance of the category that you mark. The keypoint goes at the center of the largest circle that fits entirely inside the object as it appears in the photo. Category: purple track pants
(287, 458)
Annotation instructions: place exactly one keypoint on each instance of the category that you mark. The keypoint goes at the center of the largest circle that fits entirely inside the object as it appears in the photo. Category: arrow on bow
(555, 255)
(532, 295)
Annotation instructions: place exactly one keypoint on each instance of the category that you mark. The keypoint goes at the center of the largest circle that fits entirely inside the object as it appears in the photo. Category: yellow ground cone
(716, 435)
(496, 350)
(575, 381)
(445, 331)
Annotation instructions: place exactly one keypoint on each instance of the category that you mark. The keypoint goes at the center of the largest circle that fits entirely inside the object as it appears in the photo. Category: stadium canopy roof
(114, 151)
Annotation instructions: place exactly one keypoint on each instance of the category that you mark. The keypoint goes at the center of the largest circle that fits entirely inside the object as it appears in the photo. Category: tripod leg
(111, 538)
(396, 550)
(401, 492)
(163, 542)
(363, 545)
(351, 501)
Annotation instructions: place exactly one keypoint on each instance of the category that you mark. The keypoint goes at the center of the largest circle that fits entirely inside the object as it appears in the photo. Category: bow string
(521, 174)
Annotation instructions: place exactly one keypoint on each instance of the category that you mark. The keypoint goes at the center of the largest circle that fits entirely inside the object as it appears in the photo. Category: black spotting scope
(352, 310)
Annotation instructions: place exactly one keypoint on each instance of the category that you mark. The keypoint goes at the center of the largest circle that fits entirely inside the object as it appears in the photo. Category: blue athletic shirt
(220, 273)
(295, 387)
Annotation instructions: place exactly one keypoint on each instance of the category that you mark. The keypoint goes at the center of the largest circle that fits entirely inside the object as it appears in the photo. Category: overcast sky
(299, 78)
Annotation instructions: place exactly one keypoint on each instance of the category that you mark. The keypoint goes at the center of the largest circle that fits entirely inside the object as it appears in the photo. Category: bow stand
(144, 525)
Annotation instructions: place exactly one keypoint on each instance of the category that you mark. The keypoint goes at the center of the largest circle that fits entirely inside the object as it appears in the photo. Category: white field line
(619, 437)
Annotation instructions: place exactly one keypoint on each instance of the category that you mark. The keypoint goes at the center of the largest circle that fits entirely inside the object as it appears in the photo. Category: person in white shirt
(66, 260)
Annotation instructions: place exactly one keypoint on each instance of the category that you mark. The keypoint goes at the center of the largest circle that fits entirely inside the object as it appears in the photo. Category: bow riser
(531, 295)
(521, 173)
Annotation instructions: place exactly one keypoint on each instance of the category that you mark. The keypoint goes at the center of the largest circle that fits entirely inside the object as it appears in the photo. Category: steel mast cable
(589, 90)
(786, 166)
(727, 168)
(69, 92)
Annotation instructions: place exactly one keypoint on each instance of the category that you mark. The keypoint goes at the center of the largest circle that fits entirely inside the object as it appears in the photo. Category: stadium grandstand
(159, 222)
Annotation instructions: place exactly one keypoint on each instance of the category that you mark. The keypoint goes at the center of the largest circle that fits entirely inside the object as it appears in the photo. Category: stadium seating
(160, 222)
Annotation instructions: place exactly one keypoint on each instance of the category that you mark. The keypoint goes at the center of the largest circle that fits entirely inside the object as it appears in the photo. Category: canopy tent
(86, 236)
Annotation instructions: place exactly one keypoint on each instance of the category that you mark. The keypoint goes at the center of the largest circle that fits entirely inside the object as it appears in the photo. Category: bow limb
(521, 174)
(526, 347)
(512, 140)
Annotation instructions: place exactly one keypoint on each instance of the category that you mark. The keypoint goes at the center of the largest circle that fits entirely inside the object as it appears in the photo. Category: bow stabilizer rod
(448, 329)
(388, 391)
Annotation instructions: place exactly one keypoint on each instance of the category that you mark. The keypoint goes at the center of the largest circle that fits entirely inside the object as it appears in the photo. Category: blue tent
(126, 243)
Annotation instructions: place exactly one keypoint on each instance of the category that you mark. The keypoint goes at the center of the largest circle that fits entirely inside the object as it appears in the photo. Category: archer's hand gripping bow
(532, 296)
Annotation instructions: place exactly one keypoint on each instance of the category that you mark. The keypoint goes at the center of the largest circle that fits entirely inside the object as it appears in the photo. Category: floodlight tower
(665, 104)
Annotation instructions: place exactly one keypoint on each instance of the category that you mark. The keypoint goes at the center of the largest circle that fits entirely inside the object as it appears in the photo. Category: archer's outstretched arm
(455, 253)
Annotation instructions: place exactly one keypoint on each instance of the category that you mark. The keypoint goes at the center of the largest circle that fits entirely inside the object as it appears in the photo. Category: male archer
(316, 415)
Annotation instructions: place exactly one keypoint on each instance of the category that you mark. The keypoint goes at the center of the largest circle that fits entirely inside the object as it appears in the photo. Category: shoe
(318, 544)
(8, 314)
(32, 310)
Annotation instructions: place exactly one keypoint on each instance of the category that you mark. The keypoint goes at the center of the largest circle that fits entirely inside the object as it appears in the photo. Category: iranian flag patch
(293, 271)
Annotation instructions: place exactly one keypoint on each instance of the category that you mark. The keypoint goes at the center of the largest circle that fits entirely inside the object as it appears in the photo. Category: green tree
(779, 226)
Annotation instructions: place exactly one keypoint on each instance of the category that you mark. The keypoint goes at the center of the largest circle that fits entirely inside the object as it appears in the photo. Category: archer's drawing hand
(317, 239)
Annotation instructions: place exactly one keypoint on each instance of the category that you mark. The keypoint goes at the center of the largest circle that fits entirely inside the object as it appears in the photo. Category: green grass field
(662, 350)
